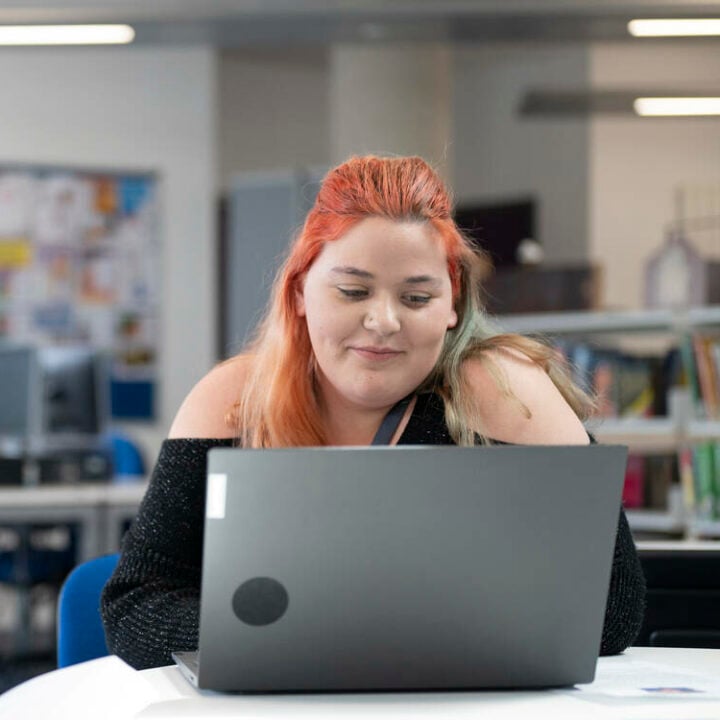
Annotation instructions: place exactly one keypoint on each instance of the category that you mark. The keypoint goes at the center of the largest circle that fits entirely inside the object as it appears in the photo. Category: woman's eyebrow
(418, 279)
(348, 270)
(357, 272)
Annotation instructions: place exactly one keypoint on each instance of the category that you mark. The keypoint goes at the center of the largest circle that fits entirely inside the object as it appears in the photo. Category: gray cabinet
(264, 211)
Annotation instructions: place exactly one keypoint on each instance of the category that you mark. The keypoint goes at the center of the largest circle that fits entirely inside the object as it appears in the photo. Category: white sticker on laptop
(216, 489)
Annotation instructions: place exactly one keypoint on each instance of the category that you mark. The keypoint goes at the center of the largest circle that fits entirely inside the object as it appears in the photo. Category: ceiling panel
(243, 23)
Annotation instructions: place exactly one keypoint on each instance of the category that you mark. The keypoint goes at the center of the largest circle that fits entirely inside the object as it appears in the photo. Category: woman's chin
(376, 398)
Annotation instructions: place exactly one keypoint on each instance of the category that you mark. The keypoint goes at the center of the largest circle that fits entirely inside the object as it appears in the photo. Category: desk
(108, 688)
(98, 507)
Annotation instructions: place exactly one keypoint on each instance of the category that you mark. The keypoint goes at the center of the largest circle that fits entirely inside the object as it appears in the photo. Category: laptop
(405, 568)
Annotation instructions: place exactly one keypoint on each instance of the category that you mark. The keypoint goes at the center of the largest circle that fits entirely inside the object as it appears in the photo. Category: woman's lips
(377, 356)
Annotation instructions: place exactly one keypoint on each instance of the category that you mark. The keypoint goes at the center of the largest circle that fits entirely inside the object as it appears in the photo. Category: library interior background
(148, 190)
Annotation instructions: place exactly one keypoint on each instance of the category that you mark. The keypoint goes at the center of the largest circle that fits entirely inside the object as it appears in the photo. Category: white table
(99, 508)
(108, 688)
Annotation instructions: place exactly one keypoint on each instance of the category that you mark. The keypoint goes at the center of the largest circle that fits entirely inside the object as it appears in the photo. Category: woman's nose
(382, 317)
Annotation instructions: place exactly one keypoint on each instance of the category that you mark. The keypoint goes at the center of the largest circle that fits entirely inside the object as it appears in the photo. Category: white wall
(273, 111)
(499, 154)
(638, 162)
(134, 109)
(391, 99)
(288, 108)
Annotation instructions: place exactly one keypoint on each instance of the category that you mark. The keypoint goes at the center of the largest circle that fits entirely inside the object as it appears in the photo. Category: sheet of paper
(638, 678)
(640, 689)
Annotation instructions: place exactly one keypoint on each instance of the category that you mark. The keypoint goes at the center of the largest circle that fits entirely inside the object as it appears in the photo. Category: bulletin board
(80, 263)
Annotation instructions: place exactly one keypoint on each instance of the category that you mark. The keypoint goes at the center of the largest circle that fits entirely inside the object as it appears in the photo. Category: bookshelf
(583, 323)
(655, 521)
(680, 428)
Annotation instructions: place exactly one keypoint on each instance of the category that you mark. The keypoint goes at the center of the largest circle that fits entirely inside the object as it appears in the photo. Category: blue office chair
(127, 457)
(80, 634)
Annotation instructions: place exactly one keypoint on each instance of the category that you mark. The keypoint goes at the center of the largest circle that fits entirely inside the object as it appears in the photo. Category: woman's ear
(452, 321)
(300, 296)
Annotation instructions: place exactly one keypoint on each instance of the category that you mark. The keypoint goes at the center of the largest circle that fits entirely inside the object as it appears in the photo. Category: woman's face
(377, 303)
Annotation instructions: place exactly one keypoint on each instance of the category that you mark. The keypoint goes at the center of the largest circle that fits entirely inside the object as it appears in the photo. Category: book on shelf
(661, 471)
(699, 467)
(633, 495)
(704, 481)
(648, 479)
(701, 357)
(714, 349)
(687, 481)
(624, 385)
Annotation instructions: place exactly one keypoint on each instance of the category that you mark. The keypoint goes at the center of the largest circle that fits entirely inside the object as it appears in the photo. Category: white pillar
(391, 99)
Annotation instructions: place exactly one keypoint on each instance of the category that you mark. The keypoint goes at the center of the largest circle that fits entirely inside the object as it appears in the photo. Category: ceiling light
(674, 28)
(66, 34)
(659, 106)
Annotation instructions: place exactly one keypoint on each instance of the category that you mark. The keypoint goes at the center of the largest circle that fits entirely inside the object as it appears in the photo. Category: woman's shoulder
(203, 413)
(517, 402)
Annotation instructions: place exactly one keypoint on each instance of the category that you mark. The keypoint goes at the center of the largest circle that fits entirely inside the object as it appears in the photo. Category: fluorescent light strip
(66, 34)
(674, 28)
(669, 106)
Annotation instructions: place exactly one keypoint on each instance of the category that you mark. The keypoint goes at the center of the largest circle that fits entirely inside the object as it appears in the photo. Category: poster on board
(80, 263)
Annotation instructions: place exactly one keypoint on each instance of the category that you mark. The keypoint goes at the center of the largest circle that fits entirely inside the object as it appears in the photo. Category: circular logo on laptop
(260, 601)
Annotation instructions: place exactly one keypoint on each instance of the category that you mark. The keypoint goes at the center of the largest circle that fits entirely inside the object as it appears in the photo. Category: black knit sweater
(150, 606)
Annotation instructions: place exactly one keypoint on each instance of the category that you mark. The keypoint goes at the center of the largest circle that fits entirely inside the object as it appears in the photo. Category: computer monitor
(74, 400)
(19, 409)
(53, 415)
(499, 227)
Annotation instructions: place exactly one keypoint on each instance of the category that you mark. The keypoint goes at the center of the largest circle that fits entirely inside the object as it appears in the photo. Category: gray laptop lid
(380, 568)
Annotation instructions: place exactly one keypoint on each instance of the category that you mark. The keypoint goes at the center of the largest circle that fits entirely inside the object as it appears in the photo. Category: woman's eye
(418, 299)
(353, 293)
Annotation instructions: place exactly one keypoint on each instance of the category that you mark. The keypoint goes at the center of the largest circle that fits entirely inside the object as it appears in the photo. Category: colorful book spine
(716, 479)
(713, 378)
(633, 495)
(688, 361)
(687, 481)
(714, 349)
(704, 481)
(705, 376)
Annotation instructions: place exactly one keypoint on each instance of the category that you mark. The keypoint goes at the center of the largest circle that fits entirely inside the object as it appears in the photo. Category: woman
(376, 309)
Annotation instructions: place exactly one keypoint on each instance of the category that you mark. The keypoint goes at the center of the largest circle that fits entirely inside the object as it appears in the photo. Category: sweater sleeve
(625, 607)
(150, 606)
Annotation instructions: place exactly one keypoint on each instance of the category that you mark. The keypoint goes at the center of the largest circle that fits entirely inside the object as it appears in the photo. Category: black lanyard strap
(391, 421)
